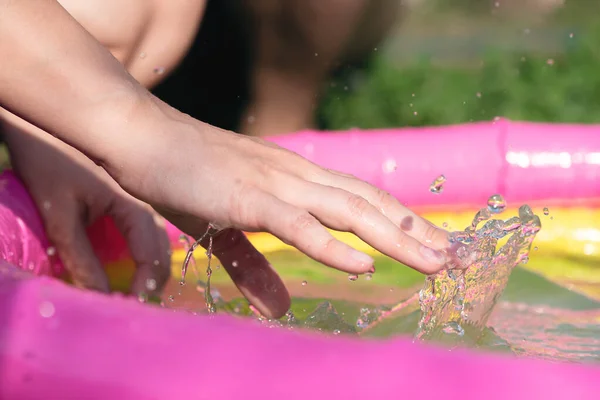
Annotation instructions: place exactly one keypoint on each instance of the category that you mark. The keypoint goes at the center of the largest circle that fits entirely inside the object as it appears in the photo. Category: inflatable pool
(60, 342)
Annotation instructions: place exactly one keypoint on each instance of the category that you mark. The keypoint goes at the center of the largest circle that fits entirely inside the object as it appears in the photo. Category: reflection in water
(549, 333)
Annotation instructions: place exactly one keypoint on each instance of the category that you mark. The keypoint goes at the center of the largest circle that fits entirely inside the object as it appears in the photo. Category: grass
(517, 82)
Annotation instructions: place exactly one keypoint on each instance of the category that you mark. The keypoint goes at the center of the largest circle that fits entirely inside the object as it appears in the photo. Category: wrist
(133, 136)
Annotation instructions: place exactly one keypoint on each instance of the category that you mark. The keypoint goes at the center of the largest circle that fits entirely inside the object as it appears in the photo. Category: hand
(194, 173)
(71, 192)
(243, 183)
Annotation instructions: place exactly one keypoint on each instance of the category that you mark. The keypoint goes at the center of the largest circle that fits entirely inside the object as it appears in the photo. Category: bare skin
(298, 43)
(75, 192)
(236, 182)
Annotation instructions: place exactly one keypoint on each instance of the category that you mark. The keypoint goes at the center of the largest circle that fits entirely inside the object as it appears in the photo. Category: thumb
(148, 244)
(66, 231)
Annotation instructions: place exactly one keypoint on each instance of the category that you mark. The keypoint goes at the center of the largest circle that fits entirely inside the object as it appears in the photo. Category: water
(208, 298)
(496, 204)
(456, 304)
(454, 307)
(437, 186)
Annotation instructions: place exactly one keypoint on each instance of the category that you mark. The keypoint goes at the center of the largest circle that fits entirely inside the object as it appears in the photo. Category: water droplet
(171, 298)
(159, 70)
(304, 283)
(151, 284)
(182, 283)
(290, 317)
(234, 264)
(47, 309)
(415, 113)
(546, 211)
(316, 54)
(445, 225)
(143, 298)
(571, 35)
(368, 276)
(156, 263)
(437, 186)
(535, 248)
(352, 277)
(46, 205)
(143, 55)
(251, 119)
(496, 204)
(478, 94)
(336, 331)
(550, 61)
(51, 251)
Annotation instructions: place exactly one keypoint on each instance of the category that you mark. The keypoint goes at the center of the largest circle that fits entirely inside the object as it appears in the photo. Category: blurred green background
(535, 60)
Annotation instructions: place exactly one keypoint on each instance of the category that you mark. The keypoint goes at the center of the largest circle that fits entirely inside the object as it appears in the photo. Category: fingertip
(459, 256)
(150, 280)
(433, 260)
(98, 283)
(270, 308)
(365, 262)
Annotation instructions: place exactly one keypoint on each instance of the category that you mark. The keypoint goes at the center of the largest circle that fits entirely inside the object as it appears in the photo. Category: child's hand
(58, 77)
(71, 192)
(193, 174)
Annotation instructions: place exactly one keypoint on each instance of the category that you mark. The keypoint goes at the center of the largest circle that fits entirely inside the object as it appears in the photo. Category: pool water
(507, 308)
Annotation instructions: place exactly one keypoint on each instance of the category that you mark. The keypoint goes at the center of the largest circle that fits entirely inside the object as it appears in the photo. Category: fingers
(148, 244)
(410, 223)
(344, 211)
(300, 229)
(251, 273)
(67, 233)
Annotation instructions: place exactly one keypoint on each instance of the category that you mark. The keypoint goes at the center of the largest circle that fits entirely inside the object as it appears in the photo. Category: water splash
(189, 257)
(496, 204)
(437, 186)
(208, 298)
(325, 317)
(456, 304)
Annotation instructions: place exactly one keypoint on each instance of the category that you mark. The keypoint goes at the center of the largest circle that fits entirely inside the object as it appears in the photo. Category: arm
(194, 173)
(71, 192)
(58, 77)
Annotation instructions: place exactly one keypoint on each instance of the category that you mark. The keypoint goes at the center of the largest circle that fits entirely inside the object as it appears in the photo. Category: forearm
(59, 78)
(18, 133)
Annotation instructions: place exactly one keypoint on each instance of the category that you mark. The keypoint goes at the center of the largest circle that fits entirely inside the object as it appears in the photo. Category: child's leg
(297, 43)
(149, 37)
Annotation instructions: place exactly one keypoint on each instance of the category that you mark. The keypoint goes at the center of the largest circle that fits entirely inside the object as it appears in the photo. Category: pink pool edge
(59, 342)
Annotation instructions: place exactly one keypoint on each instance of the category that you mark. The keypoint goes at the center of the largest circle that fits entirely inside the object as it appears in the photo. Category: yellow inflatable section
(566, 250)
(567, 232)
